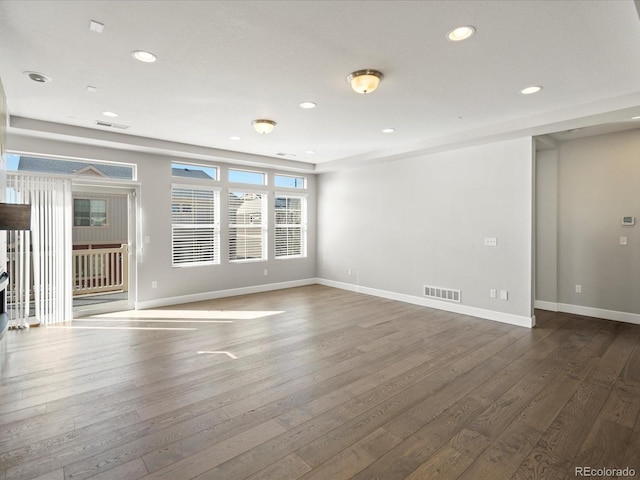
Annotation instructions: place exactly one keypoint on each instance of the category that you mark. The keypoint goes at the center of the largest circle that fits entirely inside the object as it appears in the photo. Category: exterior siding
(116, 230)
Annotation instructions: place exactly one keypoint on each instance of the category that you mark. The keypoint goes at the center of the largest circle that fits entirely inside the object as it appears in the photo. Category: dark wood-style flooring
(318, 383)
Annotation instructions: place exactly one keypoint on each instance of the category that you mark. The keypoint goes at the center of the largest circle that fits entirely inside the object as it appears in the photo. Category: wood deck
(326, 385)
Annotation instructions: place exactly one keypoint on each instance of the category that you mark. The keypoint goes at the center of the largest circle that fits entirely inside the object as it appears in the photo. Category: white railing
(100, 270)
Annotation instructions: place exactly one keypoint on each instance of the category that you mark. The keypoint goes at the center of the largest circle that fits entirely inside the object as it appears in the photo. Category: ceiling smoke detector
(38, 77)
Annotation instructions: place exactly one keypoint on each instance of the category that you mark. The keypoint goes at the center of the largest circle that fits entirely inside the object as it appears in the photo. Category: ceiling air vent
(440, 293)
(102, 123)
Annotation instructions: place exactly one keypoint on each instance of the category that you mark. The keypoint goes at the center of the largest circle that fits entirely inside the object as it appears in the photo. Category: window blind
(290, 226)
(247, 226)
(195, 228)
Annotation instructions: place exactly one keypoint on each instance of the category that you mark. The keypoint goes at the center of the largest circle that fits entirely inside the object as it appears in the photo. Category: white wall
(598, 183)
(401, 225)
(154, 262)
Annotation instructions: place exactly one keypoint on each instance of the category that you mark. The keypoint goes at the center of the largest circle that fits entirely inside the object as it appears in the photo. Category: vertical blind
(247, 226)
(40, 259)
(290, 226)
(195, 228)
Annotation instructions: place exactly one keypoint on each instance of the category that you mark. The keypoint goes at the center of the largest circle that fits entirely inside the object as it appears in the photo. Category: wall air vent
(102, 123)
(440, 293)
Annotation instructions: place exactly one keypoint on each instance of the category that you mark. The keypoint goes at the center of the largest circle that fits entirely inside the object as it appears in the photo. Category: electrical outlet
(493, 293)
(349, 272)
(266, 272)
(578, 288)
(154, 284)
(623, 240)
(504, 295)
(490, 242)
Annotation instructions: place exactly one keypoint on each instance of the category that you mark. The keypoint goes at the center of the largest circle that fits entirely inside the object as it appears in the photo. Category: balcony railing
(96, 270)
(100, 270)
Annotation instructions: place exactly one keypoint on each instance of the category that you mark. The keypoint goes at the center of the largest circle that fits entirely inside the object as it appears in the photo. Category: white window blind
(247, 226)
(45, 251)
(291, 226)
(195, 228)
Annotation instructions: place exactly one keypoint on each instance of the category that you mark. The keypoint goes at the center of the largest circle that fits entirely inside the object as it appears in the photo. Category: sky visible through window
(12, 162)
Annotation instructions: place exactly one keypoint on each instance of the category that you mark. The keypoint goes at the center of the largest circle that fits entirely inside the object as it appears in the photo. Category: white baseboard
(625, 317)
(198, 297)
(544, 305)
(509, 318)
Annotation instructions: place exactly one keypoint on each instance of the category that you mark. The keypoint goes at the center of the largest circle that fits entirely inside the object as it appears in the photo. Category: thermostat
(628, 220)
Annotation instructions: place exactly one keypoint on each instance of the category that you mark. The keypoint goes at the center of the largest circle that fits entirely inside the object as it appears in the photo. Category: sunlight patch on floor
(229, 354)
(87, 327)
(191, 314)
(147, 320)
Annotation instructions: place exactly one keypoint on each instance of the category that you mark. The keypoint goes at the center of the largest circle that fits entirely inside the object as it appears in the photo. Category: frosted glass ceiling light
(263, 126)
(365, 81)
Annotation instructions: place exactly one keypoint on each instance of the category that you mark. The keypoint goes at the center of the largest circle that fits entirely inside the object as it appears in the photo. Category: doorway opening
(103, 248)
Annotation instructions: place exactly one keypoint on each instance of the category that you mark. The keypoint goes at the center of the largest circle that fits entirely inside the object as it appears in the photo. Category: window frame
(264, 226)
(199, 167)
(265, 177)
(213, 227)
(284, 175)
(303, 225)
(91, 201)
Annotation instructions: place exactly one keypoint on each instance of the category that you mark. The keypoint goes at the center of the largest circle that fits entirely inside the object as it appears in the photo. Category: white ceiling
(222, 64)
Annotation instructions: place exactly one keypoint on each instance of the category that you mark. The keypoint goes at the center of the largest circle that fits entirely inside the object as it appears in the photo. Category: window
(291, 226)
(24, 163)
(246, 176)
(194, 171)
(89, 212)
(247, 226)
(290, 181)
(195, 228)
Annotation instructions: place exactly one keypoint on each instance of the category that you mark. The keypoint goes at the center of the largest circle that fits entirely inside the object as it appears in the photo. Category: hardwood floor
(318, 383)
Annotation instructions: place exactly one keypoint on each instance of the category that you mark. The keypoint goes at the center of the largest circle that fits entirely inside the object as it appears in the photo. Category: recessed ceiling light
(461, 33)
(531, 89)
(91, 89)
(110, 114)
(308, 105)
(388, 130)
(310, 152)
(235, 137)
(143, 56)
(38, 77)
(636, 117)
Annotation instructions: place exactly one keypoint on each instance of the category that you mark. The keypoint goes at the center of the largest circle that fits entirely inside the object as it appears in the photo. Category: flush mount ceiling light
(143, 56)
(263, 126)
(110, 114)
(307, 105)
(531, 89)
(461, 33)
(388, 130)
(38, 77)
(636, 118)
(365, 81)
